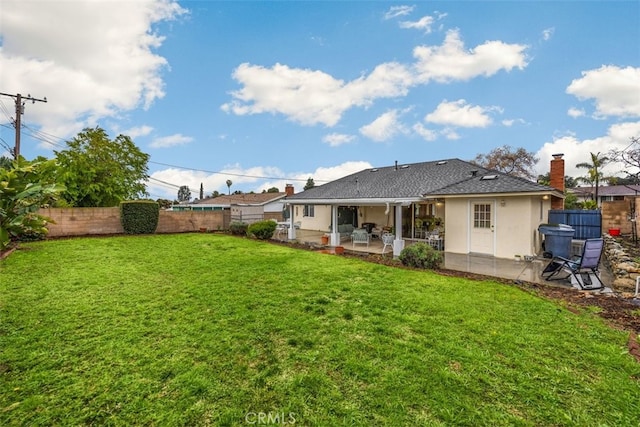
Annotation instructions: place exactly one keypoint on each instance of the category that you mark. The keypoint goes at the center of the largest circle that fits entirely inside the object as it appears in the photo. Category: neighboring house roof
(249, 199)
(416, 181)
(609, 190)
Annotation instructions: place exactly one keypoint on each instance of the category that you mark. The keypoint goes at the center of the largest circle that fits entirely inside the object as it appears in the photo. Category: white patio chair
(387, 240)
(360, 235)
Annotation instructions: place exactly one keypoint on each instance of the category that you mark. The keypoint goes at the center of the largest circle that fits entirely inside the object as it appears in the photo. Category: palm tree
(229, 185)
(594, 172)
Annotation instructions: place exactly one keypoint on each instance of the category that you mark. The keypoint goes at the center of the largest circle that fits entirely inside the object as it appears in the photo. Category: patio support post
(292, 230)
(398, 243)
(335, 234)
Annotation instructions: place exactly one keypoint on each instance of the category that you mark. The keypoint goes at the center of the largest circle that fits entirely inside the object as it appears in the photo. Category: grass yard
(204, 329)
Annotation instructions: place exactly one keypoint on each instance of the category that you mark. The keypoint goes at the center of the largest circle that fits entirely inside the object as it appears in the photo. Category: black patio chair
(583, 269)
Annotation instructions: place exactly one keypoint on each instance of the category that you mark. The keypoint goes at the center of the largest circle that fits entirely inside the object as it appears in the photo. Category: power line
(19, 112)
(232, 174)
(49, 139)
(44, 137)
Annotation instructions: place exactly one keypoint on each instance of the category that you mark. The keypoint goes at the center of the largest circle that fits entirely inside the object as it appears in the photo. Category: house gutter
(354, 202)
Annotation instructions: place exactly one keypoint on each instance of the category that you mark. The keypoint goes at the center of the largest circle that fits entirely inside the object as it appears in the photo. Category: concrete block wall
(100, 221)
(615, 214)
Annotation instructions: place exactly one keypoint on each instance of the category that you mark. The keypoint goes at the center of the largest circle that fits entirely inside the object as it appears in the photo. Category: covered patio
(375, 246)
(510, 269)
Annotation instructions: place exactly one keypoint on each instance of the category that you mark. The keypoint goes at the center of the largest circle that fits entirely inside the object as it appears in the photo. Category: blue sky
(273, 92)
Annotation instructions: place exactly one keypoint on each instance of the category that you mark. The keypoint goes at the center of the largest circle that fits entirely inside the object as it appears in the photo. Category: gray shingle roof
(417, 180)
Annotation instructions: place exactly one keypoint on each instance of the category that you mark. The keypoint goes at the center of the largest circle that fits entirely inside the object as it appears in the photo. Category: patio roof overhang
(355, 202)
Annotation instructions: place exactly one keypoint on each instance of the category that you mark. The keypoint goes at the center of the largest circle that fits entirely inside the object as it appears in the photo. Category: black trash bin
(557, 239)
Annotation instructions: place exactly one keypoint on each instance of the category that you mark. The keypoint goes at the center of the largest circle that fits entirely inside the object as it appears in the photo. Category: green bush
(238, 228)
(421, 255)
(262, 230)
(139, 216)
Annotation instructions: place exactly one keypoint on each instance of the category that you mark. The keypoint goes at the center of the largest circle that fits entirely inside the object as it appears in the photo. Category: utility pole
(19, 112)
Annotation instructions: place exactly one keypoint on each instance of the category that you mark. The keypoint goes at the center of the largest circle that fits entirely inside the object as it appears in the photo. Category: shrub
(23, 189)
(421, 255)
(262, 230)
(238, 228)
(139, 216)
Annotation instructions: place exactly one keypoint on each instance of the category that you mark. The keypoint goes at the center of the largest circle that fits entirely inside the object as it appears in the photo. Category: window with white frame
(308, 210)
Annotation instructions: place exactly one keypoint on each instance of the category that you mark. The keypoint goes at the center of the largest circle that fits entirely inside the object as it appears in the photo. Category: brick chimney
(288, 189)
(556, 178)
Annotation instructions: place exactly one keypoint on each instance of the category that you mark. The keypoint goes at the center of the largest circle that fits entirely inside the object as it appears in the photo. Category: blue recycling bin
(557, 239)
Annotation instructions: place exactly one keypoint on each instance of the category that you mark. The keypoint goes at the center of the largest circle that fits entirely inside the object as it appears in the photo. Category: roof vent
(488, 177)
(442, 162)
(374, 170)
(404, 167)
(474, 173)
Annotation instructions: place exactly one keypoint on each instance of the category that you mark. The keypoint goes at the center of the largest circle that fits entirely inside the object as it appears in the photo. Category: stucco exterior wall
(320, 221)
(515, 225)
(101, 221)
(376, 215)
(456, 225)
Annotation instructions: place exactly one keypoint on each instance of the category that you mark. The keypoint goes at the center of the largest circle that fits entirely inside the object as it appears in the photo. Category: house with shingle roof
(478, 210)
(607, 193)
(249, 207)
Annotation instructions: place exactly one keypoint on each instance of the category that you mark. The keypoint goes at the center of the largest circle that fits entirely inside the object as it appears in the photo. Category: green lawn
(205, 329)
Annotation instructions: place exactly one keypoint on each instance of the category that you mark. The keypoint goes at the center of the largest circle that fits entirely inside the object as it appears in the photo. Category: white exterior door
(481, 227)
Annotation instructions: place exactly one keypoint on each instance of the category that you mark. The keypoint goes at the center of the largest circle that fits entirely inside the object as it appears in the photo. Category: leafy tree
(5, 162)
(273, 190)
(594, 172)
(184, 194)
(164, 203)
(630, 179)
(23, 189)
(569, 182)
(309, 184)
(97, 171)
(630, 157)
(229, 183)
(514, 162)
(215, 194)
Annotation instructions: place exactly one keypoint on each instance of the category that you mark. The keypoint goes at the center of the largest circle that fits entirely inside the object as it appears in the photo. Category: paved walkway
(525, 271)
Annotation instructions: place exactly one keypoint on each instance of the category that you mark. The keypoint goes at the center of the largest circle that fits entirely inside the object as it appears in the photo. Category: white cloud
(614, 90)
(135, 132)
(423, 24)
(312, 97)
(90, 59)
(450, 134)
(305, 96)
(395, 11)
(459, 113)
(165, 183)
(424, 133)
(451, 61)
(383, 128)
(170, 141)
(575, 112)
(337, 139)
(577, 151)
(511, 122)
(547, 33)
